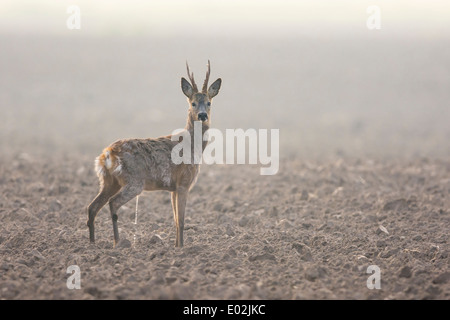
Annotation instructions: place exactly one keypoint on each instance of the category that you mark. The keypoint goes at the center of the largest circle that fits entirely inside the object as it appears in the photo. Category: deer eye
(209, 104)
(193, 104)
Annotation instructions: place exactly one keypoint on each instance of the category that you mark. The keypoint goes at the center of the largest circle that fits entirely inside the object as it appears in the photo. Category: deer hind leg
(109, 187)
(127, 193)
(181, 199)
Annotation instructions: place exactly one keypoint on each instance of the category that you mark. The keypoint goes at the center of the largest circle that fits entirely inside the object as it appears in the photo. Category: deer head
(200, 102)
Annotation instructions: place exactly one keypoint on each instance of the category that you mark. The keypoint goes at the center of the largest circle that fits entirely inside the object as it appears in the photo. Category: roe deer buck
(127, 167)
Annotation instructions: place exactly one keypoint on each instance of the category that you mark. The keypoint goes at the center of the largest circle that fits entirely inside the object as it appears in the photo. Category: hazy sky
(225, 17)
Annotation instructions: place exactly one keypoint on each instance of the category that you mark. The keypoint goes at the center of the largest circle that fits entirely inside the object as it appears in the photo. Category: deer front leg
(181, 198)
(174, 206)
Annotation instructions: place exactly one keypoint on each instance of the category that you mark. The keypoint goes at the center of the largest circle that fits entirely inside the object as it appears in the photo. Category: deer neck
(190, 125)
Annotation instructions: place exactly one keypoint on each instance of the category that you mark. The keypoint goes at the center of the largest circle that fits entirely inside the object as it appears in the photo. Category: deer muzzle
(202, 116)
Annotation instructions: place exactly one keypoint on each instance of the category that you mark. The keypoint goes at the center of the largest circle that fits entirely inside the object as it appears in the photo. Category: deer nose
(202, 116)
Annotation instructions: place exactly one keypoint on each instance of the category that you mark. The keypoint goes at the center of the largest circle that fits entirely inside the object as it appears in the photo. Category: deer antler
(205, 83)
(191, 78)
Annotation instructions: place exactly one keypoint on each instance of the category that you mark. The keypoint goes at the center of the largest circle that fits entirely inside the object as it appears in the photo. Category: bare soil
(310, 232)
(364, 173)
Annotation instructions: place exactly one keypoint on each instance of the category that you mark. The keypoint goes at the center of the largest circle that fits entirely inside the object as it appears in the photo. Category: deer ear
(214, 88)
(186, 88)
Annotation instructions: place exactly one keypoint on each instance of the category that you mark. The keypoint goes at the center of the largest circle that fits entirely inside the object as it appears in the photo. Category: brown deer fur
(128, 167)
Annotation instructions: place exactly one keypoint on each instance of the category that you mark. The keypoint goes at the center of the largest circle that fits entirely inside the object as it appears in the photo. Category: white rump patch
(99, 168)
(108, 162)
